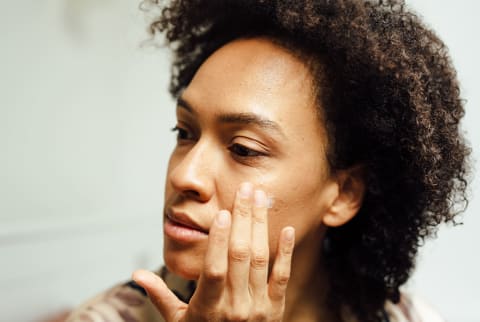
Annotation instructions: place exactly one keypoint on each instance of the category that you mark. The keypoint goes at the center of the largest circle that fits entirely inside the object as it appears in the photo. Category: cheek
(299, 208)
(276, 222)
(170, 167)
(306, 225)
(229, 178)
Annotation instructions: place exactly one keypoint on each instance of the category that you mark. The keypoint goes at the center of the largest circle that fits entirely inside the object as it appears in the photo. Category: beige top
(127, 303)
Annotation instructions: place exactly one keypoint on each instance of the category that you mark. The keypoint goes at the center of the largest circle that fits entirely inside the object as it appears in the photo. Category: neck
(307, 288)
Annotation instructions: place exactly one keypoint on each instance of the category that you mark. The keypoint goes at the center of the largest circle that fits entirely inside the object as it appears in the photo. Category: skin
(219, 176)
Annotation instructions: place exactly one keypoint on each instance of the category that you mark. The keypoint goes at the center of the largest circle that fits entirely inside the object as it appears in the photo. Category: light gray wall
(84, 142)
(448, 268)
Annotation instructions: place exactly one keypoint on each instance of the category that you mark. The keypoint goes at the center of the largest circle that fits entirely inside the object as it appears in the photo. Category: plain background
(84, 140)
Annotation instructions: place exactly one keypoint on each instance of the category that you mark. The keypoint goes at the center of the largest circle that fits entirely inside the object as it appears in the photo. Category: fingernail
(246, 190)
(223, 218)
(289, 234)
(141, 276)
(260, 198)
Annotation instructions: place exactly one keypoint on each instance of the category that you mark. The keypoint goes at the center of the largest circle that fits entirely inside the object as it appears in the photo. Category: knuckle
(238, 316)
(243, 211)
(239, 252)
(258, 317)
(259, 313)
(213, 273)
(282, 278)
(277, 297)
(260, 218)
(202, 314)
(219, 239)
(259, 260)
(287, 250)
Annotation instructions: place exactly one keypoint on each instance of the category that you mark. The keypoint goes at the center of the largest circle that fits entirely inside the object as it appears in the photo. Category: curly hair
(392, 104)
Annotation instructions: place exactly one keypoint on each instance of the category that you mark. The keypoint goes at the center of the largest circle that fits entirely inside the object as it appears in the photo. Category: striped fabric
(128, 303)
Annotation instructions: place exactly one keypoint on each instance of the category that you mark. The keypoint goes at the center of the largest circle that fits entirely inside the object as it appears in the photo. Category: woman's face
(247, 115)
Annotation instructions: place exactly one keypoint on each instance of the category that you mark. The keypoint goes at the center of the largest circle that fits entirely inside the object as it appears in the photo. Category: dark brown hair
(392, 104)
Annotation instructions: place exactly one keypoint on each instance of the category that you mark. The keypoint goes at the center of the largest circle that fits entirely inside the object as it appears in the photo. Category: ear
(349, 197)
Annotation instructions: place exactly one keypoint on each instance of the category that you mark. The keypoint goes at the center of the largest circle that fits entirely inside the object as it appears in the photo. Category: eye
(182, 134)
(242, 151)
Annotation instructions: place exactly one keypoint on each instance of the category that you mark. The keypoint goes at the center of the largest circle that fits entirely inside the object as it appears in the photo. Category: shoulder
(123, 302)
(411, 308)
(129, 302)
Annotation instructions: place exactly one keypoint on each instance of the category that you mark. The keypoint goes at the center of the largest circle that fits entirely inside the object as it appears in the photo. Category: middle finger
(239, 248)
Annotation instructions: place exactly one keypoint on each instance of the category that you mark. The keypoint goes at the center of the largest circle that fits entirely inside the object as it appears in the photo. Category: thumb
(171, 308)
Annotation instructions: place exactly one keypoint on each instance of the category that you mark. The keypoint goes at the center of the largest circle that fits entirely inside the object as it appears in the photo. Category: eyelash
(239, 151)
(182, 134)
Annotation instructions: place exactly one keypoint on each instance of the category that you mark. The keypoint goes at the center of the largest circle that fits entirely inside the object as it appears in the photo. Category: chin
(185, 269)
(187, 264)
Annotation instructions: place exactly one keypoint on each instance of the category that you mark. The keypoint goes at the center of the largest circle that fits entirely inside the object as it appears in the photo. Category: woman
(324, 129)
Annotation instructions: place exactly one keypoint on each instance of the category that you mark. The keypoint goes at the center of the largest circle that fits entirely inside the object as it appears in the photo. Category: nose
(192, 173)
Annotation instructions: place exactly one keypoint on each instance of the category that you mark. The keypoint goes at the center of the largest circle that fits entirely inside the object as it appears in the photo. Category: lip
(182, 228)
(184, 219)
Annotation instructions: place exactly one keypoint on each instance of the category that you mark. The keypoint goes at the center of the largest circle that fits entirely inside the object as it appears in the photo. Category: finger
(260, 252)
(212, 280)
(161, 296)
(239, 245)
(277, 284)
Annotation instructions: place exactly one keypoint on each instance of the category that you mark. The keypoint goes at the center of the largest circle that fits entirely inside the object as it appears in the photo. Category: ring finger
(260, 252)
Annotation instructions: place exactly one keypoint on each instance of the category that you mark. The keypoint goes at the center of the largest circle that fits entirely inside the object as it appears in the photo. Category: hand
(233, 284)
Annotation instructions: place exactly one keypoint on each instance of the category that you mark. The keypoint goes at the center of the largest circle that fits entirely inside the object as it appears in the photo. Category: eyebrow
(181, 102)
(238, 118)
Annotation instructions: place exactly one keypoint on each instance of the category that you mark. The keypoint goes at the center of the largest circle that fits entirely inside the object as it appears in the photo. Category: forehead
(255, 65)
(257, 76)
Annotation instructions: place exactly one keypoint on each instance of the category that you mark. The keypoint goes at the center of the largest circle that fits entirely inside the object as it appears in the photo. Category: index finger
(212, 280)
